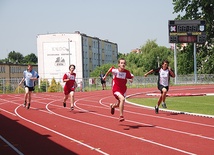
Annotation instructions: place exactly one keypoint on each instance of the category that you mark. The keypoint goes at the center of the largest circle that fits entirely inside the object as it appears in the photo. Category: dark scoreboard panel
(187, 31)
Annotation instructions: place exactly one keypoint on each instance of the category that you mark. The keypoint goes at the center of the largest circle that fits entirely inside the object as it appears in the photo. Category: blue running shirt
(28, 75)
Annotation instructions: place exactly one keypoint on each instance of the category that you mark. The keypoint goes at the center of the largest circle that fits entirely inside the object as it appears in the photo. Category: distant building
(85, 52)
(137, 50)
(12, 73)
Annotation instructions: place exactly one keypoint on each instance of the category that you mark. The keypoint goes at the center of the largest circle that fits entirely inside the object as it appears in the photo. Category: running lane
(91, 129)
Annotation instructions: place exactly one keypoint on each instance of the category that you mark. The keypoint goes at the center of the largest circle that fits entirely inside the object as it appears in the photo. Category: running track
(49, 128)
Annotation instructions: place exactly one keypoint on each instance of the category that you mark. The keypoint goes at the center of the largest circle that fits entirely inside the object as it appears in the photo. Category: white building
(86, 53)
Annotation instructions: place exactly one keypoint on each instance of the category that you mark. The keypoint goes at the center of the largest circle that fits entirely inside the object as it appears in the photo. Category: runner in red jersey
(120, 76)
(70, 85)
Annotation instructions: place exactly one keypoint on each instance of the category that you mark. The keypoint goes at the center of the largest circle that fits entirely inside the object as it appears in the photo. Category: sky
(129, 23)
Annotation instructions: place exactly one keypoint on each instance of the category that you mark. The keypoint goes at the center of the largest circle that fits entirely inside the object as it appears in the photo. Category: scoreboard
(187, 31)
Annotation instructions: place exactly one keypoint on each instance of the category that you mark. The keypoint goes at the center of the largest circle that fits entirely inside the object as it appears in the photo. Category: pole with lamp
(158, 61)
(69, 51)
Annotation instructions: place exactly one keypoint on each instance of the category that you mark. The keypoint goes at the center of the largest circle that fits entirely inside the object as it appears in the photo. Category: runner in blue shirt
(29, 78)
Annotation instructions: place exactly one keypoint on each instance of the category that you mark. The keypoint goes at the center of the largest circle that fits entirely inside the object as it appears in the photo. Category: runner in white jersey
(29, 78)
(164, 74)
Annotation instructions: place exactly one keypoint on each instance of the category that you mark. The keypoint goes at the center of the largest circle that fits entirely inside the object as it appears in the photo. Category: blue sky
(129, 23)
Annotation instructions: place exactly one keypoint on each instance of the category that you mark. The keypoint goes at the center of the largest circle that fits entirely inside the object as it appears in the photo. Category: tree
(31, 58)
(195, 10)
(200, 9)
(149, 57)
(153, 55)
(185, 61)
(44, 84)
(15, 57)
(207, 64)
(53, 86)
(104, 68)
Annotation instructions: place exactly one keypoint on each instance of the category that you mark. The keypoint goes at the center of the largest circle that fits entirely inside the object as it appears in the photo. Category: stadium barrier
(94, 83)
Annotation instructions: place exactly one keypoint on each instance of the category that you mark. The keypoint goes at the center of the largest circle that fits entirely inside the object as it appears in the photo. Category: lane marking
(60, 134)
(173, 111)
(8, 112)
(118, 132)
(9, 144)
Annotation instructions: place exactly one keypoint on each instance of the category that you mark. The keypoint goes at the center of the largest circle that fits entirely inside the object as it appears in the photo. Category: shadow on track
(26, 140)
(129, 127)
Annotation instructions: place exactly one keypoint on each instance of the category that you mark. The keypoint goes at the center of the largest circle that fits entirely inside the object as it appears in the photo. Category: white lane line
(8, 112)
(60, 134)
(154, 116)
(147, 107)
(174, 111)
(159, 127)
(23, 107)
(13, 147)
(197, 135)
(163, 128)
(172, 119)
(118, 132)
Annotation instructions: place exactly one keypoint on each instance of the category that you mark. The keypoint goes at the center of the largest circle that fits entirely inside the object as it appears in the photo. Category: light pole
(69, 51)
(175, 62)
(158, 61)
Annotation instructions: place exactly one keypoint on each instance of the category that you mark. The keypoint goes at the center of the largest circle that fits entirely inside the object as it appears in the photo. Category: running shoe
(72, 108)
(24, 105)
(28, 106)
(112, 109)
(121, 118)
(156, 109)
(164, 105)
(64, 104)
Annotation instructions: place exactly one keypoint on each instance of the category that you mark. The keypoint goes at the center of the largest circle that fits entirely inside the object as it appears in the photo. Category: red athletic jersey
(120, 79)
(69, 85)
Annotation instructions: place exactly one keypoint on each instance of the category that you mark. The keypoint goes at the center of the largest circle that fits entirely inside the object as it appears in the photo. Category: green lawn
(193, 104)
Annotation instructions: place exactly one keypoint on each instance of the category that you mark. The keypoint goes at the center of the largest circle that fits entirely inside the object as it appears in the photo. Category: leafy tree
(150, 44)
(31, 58)
(8, 88)
(104, 68)
(153, 55)
(207, 64)
(185, 61)
(19, 89)
(195, 10)
(53, 86)
(44, 84)
(149, 57)
(6, 60)
(200, 9)
(59, 87)
(15, 57)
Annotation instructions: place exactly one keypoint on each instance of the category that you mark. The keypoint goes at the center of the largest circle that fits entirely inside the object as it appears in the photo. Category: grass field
(193, 104)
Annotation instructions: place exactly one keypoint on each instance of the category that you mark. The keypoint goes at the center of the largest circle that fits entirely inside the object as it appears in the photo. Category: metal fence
(92, 84)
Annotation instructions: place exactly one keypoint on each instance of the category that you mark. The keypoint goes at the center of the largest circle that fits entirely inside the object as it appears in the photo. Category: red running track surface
(49, 128)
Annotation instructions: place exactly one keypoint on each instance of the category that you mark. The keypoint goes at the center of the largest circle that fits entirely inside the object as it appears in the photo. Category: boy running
(164, 74)
(120, 76)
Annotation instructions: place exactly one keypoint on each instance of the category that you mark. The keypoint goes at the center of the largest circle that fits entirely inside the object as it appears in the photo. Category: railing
(92, 84)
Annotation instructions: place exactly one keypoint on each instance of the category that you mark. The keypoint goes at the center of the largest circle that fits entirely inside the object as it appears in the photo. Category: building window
(2, 69)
